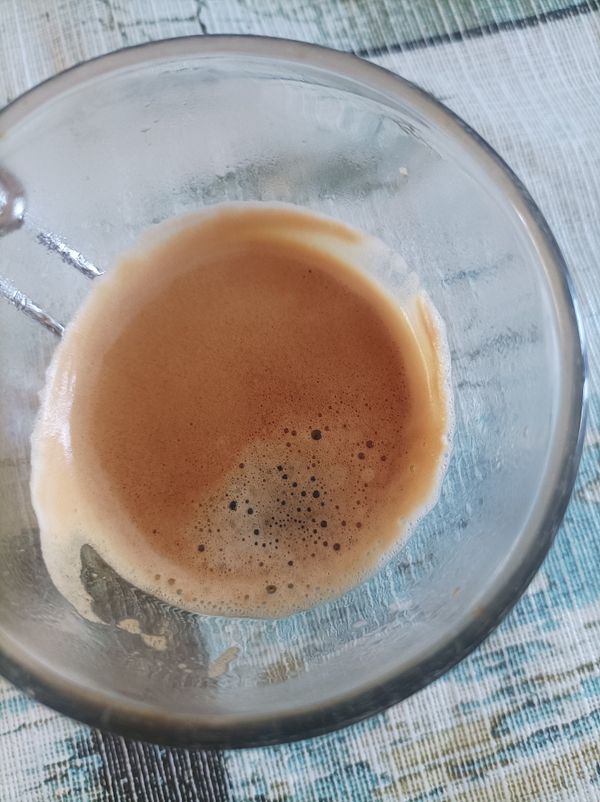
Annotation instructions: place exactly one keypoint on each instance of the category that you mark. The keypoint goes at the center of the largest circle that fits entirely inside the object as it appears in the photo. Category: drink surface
(240, 420)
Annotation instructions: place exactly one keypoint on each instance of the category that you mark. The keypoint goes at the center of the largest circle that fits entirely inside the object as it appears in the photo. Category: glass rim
(141, 721)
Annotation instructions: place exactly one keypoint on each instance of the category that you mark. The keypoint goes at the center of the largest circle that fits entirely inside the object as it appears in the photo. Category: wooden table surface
(520, 718)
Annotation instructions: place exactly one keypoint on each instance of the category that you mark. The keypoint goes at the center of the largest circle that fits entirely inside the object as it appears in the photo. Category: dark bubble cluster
(283, 521)
(292, 522)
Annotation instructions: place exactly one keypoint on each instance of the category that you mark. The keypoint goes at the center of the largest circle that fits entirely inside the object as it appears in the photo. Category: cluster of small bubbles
(281, 517)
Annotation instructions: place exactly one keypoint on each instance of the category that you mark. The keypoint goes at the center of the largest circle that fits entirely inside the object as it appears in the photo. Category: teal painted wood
(520, 718)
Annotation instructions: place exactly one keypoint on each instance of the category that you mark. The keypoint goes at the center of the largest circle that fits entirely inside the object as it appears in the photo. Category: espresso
(239, 419)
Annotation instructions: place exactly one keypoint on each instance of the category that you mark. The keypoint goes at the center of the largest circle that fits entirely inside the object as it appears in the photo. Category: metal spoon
(13, 204)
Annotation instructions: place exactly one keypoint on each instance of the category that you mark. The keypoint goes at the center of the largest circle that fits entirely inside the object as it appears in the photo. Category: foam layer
(239, 420)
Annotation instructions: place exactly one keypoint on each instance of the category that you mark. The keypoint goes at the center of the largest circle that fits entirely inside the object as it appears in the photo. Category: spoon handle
(12, 217)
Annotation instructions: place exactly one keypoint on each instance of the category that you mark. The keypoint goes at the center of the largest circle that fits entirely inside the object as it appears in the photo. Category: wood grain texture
(520, 718)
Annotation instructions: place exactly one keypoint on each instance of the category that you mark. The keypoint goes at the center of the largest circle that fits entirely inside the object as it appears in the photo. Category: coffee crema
(239, 420)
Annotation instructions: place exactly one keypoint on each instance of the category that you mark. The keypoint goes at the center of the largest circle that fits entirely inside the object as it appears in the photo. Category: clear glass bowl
(110, 147)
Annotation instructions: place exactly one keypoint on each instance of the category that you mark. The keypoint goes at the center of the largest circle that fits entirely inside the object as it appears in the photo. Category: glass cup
(96, 155)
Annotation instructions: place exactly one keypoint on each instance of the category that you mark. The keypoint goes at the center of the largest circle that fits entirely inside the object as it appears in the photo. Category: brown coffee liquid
(239, 419)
